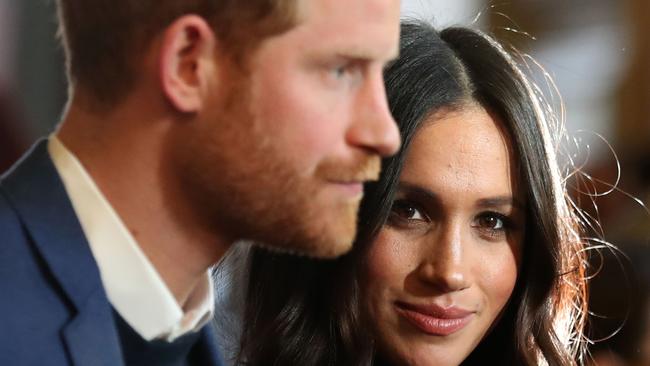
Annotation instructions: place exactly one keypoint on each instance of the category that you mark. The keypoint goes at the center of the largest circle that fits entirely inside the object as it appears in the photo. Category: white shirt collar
(132, 284)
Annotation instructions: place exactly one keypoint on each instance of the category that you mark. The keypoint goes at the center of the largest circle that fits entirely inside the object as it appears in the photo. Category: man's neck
(125, 157)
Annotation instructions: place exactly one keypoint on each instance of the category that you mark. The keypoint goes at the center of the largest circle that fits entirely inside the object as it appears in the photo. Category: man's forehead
(369, 7)
(347, 48)
(365, 29)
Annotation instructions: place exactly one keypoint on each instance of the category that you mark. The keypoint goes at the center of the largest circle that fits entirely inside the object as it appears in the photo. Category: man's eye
(340, 71)
(407, 211)
(344, 70)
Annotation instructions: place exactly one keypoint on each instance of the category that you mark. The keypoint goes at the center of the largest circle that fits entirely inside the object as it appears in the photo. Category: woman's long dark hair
(307, 312)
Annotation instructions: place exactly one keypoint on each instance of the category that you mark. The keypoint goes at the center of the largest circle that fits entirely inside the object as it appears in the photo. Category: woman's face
(442, 269)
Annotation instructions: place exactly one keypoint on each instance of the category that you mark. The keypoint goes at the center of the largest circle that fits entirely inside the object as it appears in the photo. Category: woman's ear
(187, 63)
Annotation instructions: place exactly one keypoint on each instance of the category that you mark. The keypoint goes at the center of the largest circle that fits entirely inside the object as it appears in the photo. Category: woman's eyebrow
(500, 201)
(416, 190)
(489, 202)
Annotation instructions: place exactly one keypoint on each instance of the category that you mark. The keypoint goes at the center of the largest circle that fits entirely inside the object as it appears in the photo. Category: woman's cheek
(388, 259)
(499, 277)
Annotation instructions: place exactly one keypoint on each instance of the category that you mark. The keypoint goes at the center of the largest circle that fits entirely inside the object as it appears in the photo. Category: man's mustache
(364, 168)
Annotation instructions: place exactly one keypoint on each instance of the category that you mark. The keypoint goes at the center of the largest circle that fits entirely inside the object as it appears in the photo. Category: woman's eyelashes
(493, 225)
(406, 212)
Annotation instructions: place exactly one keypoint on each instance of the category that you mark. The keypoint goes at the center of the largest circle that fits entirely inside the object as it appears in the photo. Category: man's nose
(374, 128)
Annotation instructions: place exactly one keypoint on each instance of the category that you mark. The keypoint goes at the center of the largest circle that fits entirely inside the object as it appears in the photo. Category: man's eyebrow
(364, 54)
(354, 57)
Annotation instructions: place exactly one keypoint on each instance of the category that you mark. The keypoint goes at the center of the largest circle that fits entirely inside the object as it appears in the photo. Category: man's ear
(187, 63)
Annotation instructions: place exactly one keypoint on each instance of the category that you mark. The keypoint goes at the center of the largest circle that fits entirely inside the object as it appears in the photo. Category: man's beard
(301, 219)
(245, 187)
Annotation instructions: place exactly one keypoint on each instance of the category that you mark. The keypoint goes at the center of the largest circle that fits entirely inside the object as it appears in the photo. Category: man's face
(283, 156)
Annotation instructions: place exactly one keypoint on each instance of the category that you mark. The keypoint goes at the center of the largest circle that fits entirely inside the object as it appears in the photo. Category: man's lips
(433, 319)
(353, 183)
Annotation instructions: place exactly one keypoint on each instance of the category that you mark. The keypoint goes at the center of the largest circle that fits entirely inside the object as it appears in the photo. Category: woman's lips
(350, 188)
(434, 319)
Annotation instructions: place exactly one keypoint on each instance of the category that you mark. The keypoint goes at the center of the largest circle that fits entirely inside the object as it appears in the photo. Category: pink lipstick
(434, 319)
(350, 188)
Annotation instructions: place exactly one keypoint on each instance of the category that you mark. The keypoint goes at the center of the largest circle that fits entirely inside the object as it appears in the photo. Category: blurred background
(596, 51)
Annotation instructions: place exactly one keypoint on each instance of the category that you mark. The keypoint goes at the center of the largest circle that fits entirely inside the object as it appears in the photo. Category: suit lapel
(35, 190)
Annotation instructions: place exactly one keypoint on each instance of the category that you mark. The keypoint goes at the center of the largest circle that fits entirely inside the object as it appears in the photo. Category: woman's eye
(493, 225)
(493, 222)
(407, 211)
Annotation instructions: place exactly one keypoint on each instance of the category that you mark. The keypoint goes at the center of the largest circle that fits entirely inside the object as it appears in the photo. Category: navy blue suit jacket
(53, 307)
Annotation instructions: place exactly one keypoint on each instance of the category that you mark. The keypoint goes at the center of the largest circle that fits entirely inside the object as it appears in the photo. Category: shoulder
(14, 238)
(15, 243)
(32, 311)
(23, 273)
